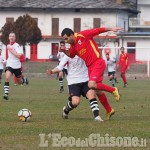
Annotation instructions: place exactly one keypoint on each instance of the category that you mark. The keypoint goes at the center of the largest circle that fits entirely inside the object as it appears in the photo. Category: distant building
(52, 16)
(139, 33)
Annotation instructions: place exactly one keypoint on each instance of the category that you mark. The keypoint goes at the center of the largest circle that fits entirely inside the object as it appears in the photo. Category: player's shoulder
(16, 44)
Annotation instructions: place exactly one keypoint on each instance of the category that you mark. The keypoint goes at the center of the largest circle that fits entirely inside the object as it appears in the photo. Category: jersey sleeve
(18, 49)
(92, 32)
(72, 52)
(22, 58)
(127, 59)
(63, 62)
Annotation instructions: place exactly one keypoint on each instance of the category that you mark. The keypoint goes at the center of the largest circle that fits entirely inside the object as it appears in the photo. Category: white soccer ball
(24, 115)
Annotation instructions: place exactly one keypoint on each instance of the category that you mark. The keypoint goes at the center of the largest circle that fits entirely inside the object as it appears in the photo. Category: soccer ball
(24, 115)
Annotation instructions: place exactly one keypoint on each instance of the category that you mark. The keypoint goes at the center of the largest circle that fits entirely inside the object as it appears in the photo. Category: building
(52, 16)
(138, 37)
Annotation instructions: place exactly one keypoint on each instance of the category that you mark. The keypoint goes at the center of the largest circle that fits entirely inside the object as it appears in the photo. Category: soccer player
(111, 66)
(78, 85)
(61, 74)
(2, 62)
(13, 64)
(83, 45)
(123, 64)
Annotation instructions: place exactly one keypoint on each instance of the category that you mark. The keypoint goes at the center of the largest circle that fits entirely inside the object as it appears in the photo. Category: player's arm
(96, 31)
(70, 53)
(16, 53)
(3, 61)
(127, 61)
(67, 52)
(59, 67)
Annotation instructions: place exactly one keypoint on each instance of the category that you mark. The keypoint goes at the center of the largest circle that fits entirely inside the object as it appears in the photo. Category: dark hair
(122, 47)
(67, 31)
(62, 42)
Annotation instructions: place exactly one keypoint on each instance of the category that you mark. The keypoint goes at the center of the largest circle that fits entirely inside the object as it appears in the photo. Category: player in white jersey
(61, 74)
(78, 85)
(13, 64)
(111, 66)
(2, 62)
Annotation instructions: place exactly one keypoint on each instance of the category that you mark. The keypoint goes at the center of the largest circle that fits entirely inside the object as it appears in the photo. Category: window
(96, 22)
(9, 19)
(77, 24)
(55, 26)
(131, 44)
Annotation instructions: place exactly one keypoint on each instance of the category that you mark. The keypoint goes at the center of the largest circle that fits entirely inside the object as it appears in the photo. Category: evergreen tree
(25, 28)
(6, 30)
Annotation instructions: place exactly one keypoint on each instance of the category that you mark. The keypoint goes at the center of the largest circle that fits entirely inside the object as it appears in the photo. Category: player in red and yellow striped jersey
(123, 64)
(83, 45)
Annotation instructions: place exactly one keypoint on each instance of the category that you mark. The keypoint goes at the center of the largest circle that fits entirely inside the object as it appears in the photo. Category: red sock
(124, 78)
(15, 80)
(104, 87)
(104, 102)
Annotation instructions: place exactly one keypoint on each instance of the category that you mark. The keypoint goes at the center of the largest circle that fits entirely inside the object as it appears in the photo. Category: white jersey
(2, 62)
(12, 60)
(60, 55)
(111, 65)
(77, 70)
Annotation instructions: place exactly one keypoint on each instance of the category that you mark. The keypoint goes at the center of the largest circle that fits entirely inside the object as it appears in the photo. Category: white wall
(123, 20)
(44, 50)
(65, 19)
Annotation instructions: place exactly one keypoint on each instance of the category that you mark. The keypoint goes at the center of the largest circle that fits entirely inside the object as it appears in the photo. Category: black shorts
(78, 89)
(111, 73)
(16, 72)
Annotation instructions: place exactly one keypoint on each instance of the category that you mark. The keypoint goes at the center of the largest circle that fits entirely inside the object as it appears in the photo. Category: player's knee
(99, 93)
(92, 85)
(75, 102)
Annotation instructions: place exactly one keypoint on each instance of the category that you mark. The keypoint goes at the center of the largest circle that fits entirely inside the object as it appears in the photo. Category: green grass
(42, 97)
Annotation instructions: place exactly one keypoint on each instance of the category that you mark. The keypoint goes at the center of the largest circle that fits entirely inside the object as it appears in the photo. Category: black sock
(94, 107)
(69, 107)
(6, 88)
(61, 83)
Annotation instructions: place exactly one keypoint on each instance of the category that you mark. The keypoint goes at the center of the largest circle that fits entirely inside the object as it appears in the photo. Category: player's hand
(115, 29)
(49, 72)
(118, 29)
(9, 47)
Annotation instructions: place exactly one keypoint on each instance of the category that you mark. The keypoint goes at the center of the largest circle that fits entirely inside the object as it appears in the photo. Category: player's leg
(8, 74)
(111, 79)
(61, 83)
(103, 100)
(15, 80)
(123, 71)
(115, 77)
(74, 99)
(96, 77)
(94, 104)
(18, 74)
(1, 71)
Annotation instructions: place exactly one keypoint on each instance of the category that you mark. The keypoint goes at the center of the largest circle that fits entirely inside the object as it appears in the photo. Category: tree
(6, 29)
(26, 31)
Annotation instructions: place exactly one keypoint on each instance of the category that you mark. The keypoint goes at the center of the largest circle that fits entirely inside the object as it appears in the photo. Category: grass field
(42, 97)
